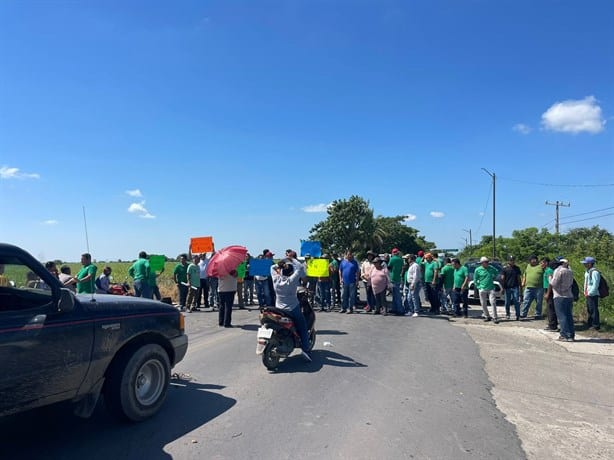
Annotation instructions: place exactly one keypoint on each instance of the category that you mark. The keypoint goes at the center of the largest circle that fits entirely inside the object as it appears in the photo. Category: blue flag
(312, 248)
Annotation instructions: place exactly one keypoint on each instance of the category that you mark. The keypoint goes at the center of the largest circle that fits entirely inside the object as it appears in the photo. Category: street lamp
(494, 242)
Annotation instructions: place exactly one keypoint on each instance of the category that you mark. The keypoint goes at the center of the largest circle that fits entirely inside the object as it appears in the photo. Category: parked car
(57, 346)
(472, 292)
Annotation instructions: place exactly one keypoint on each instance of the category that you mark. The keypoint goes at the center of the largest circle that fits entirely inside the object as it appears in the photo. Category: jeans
(323, 288)
(301, 326)
(592, 308)
(485, 296)
(370, 295)
(397, 303)
(156, 292)
(445, 298)
(564, 312)
(552, 319)
(530, 294)
(183, 294)
(214, 298)
(348, 296)
(431, 295)
(512, 295)
(336, 287)
(263, 293)
(203, 292)
(460, 295)
(142, 289)
(412, 298)
(248, 291)
(225, 313)
(240, 294)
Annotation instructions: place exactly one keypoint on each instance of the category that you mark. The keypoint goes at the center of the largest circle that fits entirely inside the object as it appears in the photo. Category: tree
(392, 233)
(349, 225)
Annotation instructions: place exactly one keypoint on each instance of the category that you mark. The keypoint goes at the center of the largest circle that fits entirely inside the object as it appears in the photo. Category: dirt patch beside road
(559, 395)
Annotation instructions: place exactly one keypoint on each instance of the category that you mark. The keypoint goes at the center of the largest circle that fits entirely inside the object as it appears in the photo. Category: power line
(484, 212)
(588, 218)
(585, 213)
(556, 185)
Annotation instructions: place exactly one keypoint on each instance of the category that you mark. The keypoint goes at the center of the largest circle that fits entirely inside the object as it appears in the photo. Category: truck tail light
(181, 322)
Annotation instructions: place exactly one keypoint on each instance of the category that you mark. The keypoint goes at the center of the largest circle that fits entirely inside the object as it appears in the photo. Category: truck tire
(137, 383)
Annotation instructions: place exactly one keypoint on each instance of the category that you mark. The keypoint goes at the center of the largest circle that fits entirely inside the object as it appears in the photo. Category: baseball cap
(588, 260)
(394, 251)
(563, 260)
(268, 253)
(420, 253)
(484, 259)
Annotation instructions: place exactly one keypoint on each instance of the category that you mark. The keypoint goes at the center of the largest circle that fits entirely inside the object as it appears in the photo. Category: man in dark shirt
(511, 278)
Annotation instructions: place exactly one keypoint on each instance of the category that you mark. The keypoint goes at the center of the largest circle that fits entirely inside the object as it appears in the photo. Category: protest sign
(201, 244)
(156, 263)
(317, 268)
(312, 248)
(260, 267)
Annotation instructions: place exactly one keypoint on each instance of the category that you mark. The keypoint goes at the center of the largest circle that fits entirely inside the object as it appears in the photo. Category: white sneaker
(414, 315)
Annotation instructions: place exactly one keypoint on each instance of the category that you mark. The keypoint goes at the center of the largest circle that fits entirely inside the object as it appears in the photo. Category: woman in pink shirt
(380, 281)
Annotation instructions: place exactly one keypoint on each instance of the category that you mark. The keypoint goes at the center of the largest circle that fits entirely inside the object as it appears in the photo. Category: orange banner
(201, 244)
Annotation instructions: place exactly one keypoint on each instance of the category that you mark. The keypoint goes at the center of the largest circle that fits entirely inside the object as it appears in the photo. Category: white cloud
(437, 214)
(316, 207)
(409, 217)
(13, 173)
(51, 222)
(140, 210)
(574, 116)
(136, 193)
(522, 128)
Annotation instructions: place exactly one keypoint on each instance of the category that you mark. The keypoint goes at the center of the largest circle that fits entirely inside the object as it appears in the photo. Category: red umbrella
(226, 260)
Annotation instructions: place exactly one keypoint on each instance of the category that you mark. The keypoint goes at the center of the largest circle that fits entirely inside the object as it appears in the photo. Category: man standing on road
(414, 285)
(483, 278)
(431, 275)
(180, 276)
(553, 323)
(460, 293)
(349, 275)
(203, 291)
(592, 278)
(561, 282)
(194, 284)
(511, 278)
(333, 269)
(532, 281)
(139, 271)
(395, 266)
(447, 285)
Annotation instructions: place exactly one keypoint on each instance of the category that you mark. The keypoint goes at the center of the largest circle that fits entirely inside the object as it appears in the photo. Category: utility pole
(558, 204)
(494, 195)
(470, 239)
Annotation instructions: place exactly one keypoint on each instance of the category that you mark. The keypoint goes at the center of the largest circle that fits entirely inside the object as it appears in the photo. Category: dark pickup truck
(57, 346)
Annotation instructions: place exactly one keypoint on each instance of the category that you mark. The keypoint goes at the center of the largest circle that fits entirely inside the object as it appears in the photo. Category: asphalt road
(386, 388)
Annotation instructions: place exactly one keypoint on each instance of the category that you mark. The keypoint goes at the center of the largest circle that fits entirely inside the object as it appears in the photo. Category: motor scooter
(277, 336)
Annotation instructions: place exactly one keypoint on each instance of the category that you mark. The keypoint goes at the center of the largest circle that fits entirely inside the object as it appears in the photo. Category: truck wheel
(137, 384)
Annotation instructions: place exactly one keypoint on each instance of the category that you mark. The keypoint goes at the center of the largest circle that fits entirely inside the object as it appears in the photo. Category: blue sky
(238, 119)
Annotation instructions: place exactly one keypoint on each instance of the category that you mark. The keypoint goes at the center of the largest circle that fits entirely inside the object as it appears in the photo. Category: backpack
(604, 288)
(575, 291)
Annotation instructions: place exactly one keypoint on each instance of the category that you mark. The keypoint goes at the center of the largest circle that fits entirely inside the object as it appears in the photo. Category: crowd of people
(410, 280)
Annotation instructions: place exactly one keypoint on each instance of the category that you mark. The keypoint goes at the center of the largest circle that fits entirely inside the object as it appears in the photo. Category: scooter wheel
(270, 359)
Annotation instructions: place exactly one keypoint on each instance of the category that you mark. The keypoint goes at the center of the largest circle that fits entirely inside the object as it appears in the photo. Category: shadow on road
(321, 358)
(330, 332)
(53, 432)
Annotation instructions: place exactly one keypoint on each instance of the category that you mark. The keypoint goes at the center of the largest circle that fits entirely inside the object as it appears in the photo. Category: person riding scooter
(287, 276)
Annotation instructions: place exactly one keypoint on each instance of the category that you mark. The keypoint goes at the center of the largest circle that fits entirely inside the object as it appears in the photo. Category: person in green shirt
(180, 276)
(241, 270)
(395, 266)
(447, 283)
(193, 275)
(533, 284)
(484, 281)
(139, 271)
(86, 277)
(431, 277)
(459, 289)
